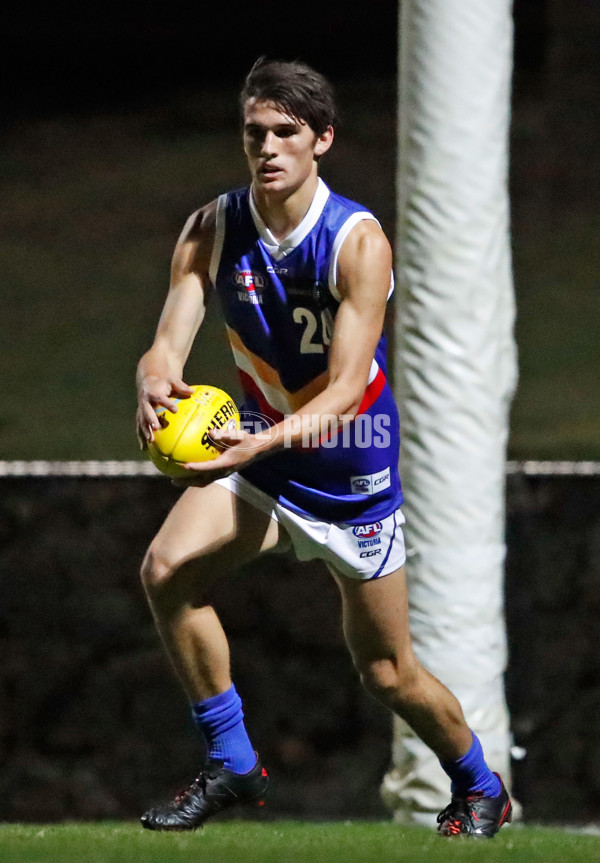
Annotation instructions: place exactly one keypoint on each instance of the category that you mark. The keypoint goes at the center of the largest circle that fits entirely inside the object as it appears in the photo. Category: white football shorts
(361, 551)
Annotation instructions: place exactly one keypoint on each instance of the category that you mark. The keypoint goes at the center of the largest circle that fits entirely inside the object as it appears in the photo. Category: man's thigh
(212, 522)
(375, 615)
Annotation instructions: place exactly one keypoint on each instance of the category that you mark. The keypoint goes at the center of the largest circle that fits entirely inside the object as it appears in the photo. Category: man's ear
(324, 142)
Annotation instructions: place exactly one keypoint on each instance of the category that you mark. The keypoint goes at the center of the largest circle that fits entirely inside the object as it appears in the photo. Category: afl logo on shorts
(367, 531)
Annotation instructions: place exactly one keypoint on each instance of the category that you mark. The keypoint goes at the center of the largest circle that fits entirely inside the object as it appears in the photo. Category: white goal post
(454, 367)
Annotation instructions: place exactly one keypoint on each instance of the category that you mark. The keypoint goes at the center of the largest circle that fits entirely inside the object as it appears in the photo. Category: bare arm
(364, 271)
(160, 370)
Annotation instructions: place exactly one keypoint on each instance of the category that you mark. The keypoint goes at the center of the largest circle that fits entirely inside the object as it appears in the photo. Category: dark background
(104, 56)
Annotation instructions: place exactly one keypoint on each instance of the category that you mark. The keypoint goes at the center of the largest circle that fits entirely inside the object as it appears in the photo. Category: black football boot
(215, 789)
(475, 815)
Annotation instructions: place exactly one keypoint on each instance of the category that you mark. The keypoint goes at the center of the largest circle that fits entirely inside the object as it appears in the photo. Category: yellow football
(184, 436)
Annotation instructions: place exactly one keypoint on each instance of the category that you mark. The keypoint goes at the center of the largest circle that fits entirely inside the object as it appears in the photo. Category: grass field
(280, 842)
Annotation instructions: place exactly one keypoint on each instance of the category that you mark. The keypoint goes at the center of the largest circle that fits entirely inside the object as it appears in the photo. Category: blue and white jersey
(279, 301)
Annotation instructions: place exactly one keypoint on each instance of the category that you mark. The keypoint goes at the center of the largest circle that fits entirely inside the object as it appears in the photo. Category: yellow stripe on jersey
(268, 381)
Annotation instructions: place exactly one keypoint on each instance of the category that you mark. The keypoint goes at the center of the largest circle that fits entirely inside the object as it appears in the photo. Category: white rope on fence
(133, 468)
(554, 468)
(82, 469)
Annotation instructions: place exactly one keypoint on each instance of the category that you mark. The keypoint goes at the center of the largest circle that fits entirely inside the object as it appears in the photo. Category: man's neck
(283, 214)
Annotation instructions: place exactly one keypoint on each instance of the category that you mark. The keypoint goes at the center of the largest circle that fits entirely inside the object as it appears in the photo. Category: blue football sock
(470, 773)
(221, 721)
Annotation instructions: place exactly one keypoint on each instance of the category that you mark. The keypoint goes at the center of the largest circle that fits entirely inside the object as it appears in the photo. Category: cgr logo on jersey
(252, 284)
(371, 483)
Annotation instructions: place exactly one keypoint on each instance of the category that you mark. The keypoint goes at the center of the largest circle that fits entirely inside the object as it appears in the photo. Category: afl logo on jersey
(252, 285)
(367, 531)
(249, 280)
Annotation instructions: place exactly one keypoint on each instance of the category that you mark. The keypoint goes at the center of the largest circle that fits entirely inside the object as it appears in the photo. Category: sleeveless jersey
(279, 302)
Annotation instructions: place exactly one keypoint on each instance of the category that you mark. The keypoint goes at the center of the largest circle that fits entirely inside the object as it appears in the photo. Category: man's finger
(141, 437)
(165, 402)
(181, 388)
(199, 467)
(226, 438)
(151, 421)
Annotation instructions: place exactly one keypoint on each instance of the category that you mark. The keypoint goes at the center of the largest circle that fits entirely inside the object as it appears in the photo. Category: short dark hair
(296, 89)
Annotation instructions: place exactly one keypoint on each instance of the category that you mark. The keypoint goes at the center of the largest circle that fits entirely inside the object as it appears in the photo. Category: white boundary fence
(133, 468)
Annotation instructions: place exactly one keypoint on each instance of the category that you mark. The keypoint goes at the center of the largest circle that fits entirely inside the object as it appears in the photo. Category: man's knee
(390, 681)
(155, 571)
(169, 584)
(168, 587)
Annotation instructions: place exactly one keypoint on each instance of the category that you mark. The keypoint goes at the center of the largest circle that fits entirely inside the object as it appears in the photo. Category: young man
(303, 276)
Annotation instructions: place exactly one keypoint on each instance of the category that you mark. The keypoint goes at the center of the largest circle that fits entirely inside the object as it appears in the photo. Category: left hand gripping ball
(184, 436)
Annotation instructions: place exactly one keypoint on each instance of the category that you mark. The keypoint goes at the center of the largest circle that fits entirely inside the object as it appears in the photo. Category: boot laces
(199, 784)
(458, 813)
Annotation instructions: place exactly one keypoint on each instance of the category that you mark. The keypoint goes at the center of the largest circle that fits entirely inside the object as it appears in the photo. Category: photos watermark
(330, 431)
(311, 431)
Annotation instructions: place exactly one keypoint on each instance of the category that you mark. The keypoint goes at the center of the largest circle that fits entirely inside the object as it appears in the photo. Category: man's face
(280, 150)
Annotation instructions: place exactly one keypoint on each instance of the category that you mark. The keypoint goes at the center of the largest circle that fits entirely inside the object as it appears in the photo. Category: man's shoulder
(194, 246)
(347, 205)
(200, 226)
(235, 196)
(203, 220)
